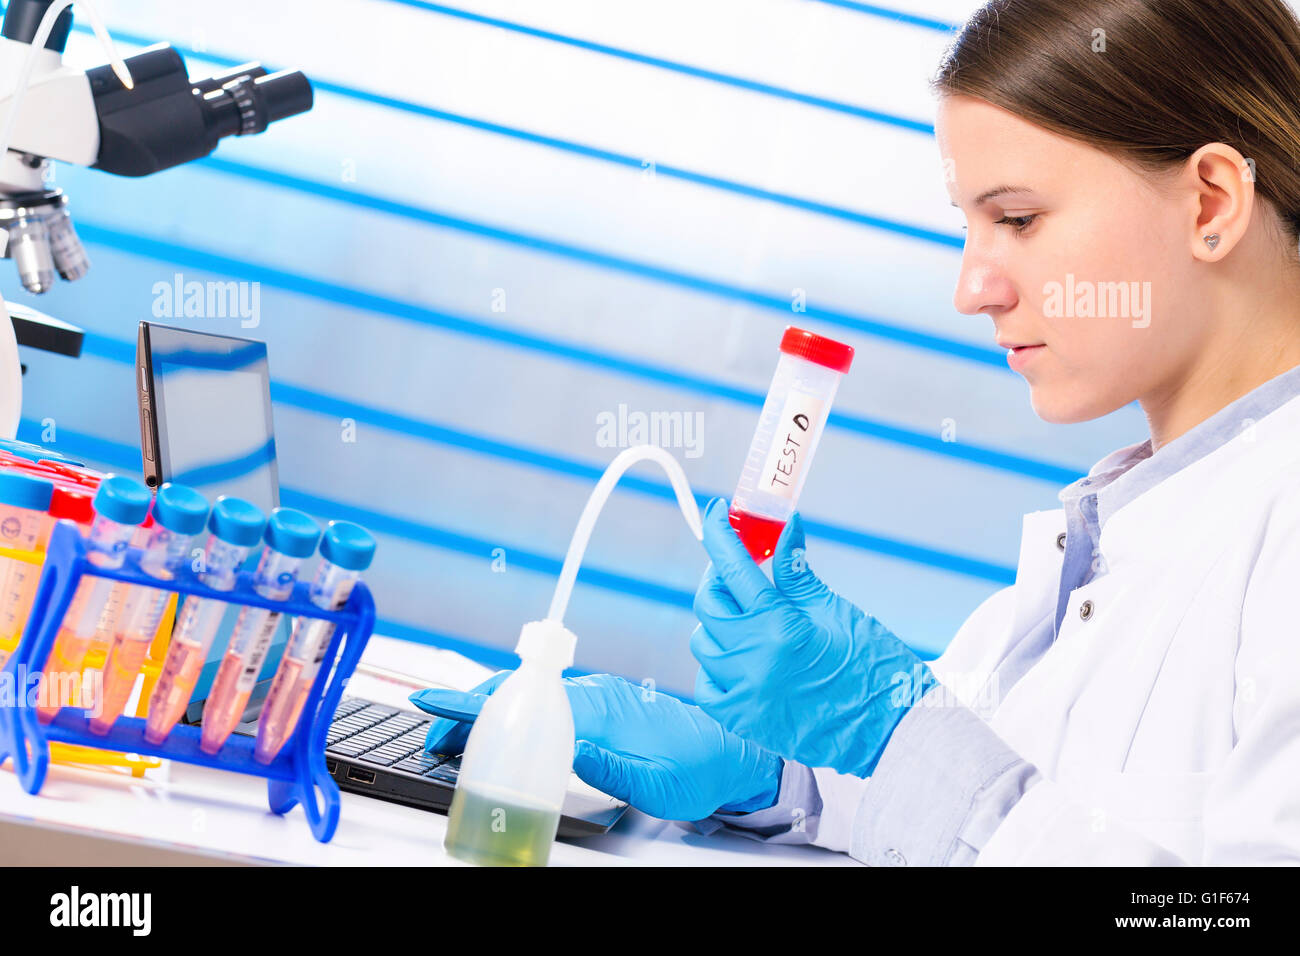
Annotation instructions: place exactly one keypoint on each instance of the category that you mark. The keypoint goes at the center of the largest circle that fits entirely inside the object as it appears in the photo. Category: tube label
(792, 441)
(257, 653)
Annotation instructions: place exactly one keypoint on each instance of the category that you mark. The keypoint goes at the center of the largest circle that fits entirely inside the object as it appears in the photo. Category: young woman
(1130, 176)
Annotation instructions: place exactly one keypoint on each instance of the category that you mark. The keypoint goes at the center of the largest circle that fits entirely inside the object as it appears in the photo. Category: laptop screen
(210, 401)
(211, 395)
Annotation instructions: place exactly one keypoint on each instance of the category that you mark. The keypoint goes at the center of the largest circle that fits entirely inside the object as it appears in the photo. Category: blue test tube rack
(296, 775)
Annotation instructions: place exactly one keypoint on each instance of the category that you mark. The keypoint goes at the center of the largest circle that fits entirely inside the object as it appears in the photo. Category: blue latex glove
(664, 757)
(794, 667)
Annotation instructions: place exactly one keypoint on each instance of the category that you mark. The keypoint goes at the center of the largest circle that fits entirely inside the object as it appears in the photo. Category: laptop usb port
(331, 766)
(361, 776)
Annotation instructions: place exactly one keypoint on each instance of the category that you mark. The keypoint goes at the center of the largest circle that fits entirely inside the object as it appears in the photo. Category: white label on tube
(257, 653)
(792, 439)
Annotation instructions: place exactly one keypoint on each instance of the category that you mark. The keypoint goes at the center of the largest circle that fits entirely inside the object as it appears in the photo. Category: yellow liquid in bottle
(492, 830)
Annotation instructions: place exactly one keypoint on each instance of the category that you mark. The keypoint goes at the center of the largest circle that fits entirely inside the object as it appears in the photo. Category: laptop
(378, 751)
(372, 749)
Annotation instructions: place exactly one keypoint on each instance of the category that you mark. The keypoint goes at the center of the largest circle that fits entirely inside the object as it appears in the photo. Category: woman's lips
(1019, 356)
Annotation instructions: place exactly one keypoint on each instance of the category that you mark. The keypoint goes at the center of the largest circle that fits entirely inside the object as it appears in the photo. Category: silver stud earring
(1212, 241)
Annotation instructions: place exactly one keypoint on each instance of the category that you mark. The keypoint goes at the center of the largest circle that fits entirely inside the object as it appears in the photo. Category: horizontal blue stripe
(488, 656)
(844, 214)
(476, 547)
(335, 407)
(116, 455)
(672, 66)
(122, 456)
(213, 361)
(106, 347)
(230, 470)
(911, 19)
(862, 324)
(119, 455)
(751, 86)
(343, 295)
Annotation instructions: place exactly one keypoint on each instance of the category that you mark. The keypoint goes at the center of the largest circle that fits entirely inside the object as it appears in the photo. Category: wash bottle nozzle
(515, 769)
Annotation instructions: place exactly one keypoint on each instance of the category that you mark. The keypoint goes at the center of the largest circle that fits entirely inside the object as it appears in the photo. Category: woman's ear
(1223, 184)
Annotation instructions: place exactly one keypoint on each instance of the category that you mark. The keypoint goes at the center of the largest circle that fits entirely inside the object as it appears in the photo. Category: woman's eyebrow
(998, 191)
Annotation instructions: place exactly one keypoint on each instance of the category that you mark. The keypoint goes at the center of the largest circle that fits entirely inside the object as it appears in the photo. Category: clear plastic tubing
(794, 416)
(236, 526)
(596, 503)
(121, 504)
(179, 513)
(290, 537)
(517, 761)
(24, 526)
(346, 550)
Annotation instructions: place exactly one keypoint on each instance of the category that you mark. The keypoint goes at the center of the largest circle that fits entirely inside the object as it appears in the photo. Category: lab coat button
(1085, 610)
(895, 858)
(1060, 541)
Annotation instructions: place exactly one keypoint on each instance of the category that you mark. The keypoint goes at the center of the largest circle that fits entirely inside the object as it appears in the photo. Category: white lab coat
(1166, 724)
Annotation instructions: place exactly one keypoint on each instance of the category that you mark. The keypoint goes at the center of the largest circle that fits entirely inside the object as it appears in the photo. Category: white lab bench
(183, 814)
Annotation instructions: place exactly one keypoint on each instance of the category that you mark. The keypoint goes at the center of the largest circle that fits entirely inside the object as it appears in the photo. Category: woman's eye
(1019, 223)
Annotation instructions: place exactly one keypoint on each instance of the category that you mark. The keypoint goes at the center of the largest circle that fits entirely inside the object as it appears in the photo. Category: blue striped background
(647, 189)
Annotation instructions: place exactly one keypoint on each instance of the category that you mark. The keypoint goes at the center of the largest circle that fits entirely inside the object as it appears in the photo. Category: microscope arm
(54, 91)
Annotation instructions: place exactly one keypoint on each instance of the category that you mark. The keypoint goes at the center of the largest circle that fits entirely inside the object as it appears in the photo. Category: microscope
(156, 119)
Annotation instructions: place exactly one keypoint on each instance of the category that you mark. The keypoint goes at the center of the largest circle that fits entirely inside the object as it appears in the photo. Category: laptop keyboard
(387, 737)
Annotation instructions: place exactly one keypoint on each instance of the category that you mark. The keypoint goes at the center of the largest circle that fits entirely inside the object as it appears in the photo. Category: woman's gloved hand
(664, 757)
(794, 667)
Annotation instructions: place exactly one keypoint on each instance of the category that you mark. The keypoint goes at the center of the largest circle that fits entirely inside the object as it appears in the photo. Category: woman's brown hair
(1151, 81)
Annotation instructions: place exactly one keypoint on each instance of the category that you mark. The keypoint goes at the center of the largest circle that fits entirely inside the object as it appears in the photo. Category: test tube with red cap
(24, 526)
(121, 504)
(20, 528)
(794, 415)
(73, 504)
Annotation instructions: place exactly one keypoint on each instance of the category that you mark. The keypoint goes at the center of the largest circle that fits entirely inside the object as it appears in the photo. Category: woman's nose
(982, 287)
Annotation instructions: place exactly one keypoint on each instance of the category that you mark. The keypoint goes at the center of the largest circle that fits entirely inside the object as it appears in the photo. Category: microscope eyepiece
(23, 17)
(211, 83)
(164, 120)
(287, 93)
(168, 119)
(248, 104)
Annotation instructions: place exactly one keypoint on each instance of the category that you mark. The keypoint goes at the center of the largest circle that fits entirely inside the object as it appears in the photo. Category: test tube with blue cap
(236, 527)
(24, 526)
(121, 504)
(346, 550)
(290, 537)
(179, 513)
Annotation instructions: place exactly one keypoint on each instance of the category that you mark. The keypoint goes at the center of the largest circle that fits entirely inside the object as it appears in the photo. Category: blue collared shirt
(946, 781)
